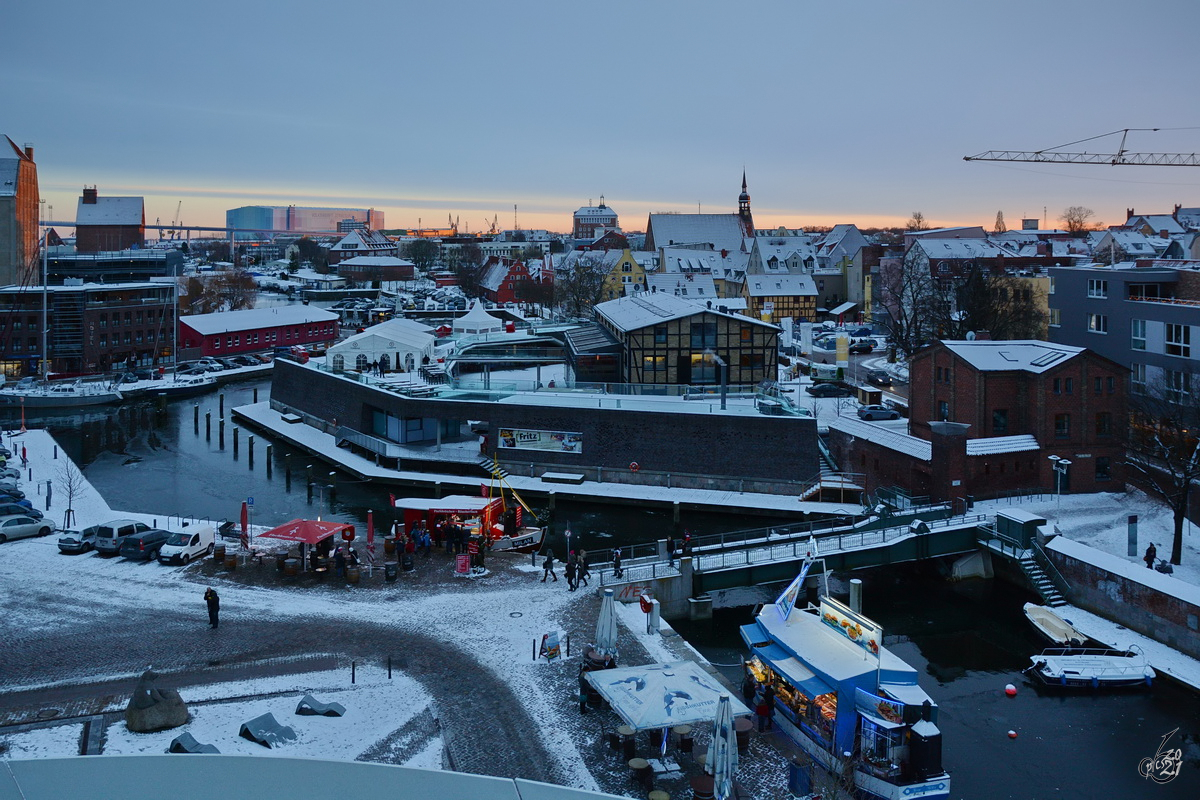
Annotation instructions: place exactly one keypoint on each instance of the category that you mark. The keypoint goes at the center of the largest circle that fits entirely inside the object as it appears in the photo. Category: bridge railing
(991, 536)
(1056, 577)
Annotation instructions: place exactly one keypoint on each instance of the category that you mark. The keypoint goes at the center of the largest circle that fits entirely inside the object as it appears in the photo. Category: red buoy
(1012, 734)
(1010, 690)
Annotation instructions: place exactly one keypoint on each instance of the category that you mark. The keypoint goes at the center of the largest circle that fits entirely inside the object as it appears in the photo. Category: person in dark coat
(671, 549)
(616, 557)
(583, 692)
(769, 701)
(749, 689)
(1151, 554)
(548, 567)
(214, 606)
(582, 568)
(571, 575)
(339, 562)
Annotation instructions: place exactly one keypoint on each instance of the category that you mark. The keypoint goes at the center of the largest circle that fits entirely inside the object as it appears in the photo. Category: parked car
(11, 490)
(829, 390)
(20, 502)
(864, 346)
(145, 545)
(19, 508)
(74, 542)
(863, 332)
(10, 472)
(245, 361)
(110, 534)
(877, 413)
(20, 526)
(879, 377)
(182, 546)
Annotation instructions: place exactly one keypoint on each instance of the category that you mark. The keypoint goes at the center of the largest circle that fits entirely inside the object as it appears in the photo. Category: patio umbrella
(722, 758)
(606, 626)
(245, 526)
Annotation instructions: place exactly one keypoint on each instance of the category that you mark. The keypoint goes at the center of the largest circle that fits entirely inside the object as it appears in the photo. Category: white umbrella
(722, 758)
(606, 626)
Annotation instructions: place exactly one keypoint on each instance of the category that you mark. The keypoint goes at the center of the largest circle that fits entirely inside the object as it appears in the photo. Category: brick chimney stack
(29, 155)
(1128, 214)
(1175, 213)
(89, 195)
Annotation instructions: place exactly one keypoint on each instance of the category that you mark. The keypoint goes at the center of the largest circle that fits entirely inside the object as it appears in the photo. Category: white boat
(1054, 627)
(35, 394)
(169, 385)
(1091, 668)
(847, 701)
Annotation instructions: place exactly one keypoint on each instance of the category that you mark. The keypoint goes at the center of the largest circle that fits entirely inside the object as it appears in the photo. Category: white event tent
(395, 344)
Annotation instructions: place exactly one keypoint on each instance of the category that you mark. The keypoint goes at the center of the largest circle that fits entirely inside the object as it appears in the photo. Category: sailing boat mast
(45, 299)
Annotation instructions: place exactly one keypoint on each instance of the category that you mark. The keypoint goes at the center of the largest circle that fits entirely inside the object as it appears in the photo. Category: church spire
(744, 208)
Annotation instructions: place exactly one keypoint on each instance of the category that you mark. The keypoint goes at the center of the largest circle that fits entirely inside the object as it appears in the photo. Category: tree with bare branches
(1077, 221)
(917, 222)
(583, 286)
(1164, 444)
(71, 483)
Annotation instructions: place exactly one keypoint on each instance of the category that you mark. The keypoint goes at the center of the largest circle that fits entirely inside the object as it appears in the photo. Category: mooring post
(196, 418)
(270, 448)
(221, 433)
(208, 426)
(221, 404)
(250, 450)
(235, 441)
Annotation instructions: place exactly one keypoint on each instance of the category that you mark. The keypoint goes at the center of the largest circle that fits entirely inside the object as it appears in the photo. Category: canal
(966, 640)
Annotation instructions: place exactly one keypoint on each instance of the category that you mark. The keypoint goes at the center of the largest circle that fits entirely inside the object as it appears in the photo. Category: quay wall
(1155, 605)
(742, 446)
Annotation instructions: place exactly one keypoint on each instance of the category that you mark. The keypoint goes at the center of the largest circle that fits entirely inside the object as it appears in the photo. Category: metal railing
(1056, 577)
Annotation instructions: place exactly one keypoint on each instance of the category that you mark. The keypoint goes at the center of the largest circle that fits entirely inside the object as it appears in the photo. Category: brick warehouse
(986, 416)
(724, 445)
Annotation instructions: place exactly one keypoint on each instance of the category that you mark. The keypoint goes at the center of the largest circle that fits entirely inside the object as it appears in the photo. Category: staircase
(1041, 581)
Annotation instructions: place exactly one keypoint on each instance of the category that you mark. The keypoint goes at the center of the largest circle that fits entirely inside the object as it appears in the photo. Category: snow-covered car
(75, 542)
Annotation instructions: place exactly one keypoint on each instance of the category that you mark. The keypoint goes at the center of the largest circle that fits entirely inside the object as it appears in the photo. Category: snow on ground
(53, 742)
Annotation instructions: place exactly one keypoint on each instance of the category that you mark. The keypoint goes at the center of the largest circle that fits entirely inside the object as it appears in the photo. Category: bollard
(269, 451)
(353, 667)
(55, 452)
(856, 595)
(49, 494)
(235, 441)
(389, 668)
(255, 394)
(221, 404)
(196, 418)
(208, 426)
(221, 433)
(250, 449)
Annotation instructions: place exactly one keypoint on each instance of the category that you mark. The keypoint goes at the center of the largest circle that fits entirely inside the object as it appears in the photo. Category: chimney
(1043, 249)
(89, 195)
(1163, 234)
(29, 155)
(1128, 214)
(725, 253)
(1174, 213)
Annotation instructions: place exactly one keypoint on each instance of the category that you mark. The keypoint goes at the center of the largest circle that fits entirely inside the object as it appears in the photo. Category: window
(216, 343)
(1096, 386)
(128, 318)
(750, 360)
(1112, 385)
(1000, 421)
(654, 363)
(1137, 334)
(660, 334)
(1103, 468)
(938, 375)
(1179, 386)
(104, 340)
(1055, 317)
(1069, 386)
(747, 333)
(229, 341)
(704, 334)
(704, 369)
(626, 267)
(1097, 288)
(1137, 378)
(1104, 423)
(943, 410)
(1179, 340)
(1062, 426)
(1097, 323)
(1053, 281)
(128, 338)
(1057, 386)
(104, 320)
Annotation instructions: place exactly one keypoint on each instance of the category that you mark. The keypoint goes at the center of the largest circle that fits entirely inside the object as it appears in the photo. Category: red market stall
(310, 532)
(480, 514)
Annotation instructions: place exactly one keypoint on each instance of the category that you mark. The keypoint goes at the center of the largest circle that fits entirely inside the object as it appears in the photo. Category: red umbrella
(245, 526)
(370, 537)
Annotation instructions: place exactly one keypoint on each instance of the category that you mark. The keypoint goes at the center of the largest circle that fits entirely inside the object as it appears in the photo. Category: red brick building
(228, 333)
(104, 224)
(985, 417)
(503, 279)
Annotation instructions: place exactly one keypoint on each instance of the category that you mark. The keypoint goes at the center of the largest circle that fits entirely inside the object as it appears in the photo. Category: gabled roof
(693, 286)
(654, 308)
(884, 437)
(1156, 222)
(780, 286)
(254, 318)
(392, 331)
(375, 261)
(960, 248)
(721, 231)
(1026, 355)
(111, 211)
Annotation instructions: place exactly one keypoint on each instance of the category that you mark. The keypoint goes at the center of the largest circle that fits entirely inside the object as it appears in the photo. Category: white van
(183, 546)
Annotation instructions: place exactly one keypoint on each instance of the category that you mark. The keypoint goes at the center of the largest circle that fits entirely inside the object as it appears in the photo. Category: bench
(562, 477)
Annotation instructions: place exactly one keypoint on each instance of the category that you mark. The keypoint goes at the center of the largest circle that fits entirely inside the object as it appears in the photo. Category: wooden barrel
(389, 546)
(219, 552)
(742, 727)
(291, 567)
(702, 787)
(352, 575)
(231, 561)
(280, 560)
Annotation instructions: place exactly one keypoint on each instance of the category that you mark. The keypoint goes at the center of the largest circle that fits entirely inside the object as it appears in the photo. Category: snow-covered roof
(494, 275)
(253, 318)
(780, 285)
(595, 211)
(1156, 222)
(476, 320)
(386, 336)
(996, 445)
(375, 261)
(884, 437)
(689, 285)
(110, 211)
(655, 308)
(1028, 355)
(960, 248)
(722, 231)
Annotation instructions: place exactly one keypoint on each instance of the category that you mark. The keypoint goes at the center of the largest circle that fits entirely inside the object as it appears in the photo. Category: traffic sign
(249, 501)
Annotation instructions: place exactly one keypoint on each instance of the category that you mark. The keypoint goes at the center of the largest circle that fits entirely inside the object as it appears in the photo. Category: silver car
(110, 534)
(19, 526)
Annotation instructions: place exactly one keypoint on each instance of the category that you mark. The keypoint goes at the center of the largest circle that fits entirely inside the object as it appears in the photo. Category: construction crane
(1055, 155)
(175, 223)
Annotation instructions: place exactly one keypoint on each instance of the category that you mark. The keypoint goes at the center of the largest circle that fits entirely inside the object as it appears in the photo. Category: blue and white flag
(787, 601)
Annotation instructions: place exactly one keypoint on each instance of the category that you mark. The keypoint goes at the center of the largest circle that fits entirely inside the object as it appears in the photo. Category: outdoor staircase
(1041, 581)
(493, 467)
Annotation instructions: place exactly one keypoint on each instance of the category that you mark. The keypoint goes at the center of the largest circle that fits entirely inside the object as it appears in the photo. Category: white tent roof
(662, 695)
(386, 337)
(477, 321)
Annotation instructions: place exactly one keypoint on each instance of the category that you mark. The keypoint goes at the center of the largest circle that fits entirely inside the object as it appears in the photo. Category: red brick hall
(985, 417)
(227, 333)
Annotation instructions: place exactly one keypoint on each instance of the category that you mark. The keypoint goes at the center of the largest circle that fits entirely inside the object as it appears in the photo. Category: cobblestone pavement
(75, 644)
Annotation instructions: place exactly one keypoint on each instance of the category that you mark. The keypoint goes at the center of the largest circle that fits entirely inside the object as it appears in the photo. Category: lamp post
(1060, 466)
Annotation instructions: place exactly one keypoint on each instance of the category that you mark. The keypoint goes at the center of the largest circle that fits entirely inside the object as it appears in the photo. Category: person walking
(339, 562)
(616, 562)
(749, 689)
(548, 567)
(670, 549)
(769, 701)
(1151, 554)
(214, 606)
(571, 573)
(583, 569)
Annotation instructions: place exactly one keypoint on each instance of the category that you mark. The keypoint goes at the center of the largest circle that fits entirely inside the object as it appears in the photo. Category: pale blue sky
(839, 112)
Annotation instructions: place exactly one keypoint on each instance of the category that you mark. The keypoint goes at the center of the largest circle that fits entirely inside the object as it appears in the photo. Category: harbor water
(966, 640)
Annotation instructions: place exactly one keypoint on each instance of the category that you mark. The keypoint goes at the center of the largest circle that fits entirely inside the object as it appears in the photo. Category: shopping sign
(863, 632)
(462, 564)
(550, 647)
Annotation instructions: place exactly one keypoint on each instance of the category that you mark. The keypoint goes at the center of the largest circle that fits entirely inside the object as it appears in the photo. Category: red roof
(308, 531)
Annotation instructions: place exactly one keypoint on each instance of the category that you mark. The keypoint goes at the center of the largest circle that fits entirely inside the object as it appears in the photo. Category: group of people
(577, 569)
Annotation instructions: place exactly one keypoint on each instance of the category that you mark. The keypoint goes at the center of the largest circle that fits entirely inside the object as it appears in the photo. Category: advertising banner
(884, 708)
(863, 632)
(787, 601)
(525, 439)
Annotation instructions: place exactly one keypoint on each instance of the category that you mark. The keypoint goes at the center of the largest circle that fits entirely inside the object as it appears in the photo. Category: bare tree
(1006, 306)
(228, 290)
(1164, 444)
(917, 222)
(583, 286)
(1000, 227)
(469, 268)
(72, 483)
(422, 252)
(1076, 221)
(907, 292)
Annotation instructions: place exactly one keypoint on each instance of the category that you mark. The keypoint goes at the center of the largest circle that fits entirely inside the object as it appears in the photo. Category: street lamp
(1060, 466)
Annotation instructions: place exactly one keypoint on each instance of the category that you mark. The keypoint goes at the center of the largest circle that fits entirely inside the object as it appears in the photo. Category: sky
(838, 112)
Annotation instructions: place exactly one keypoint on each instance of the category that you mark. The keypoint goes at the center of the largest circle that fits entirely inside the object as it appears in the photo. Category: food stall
(479, 515)
(800, 696)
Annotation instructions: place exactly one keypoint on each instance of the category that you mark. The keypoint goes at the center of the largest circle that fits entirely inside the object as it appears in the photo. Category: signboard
(863, 632)
(550, 647)
(526, 439)
(787, 601)
(884, 708)
(462, 564)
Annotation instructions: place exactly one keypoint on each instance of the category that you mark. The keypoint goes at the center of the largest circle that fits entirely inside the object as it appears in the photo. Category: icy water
(967, 641)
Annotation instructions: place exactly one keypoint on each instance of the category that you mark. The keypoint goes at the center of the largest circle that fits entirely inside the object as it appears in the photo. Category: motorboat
(850, 703)
(176, 385)
(1091, 668)
(1054, 627)
(32, 393)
